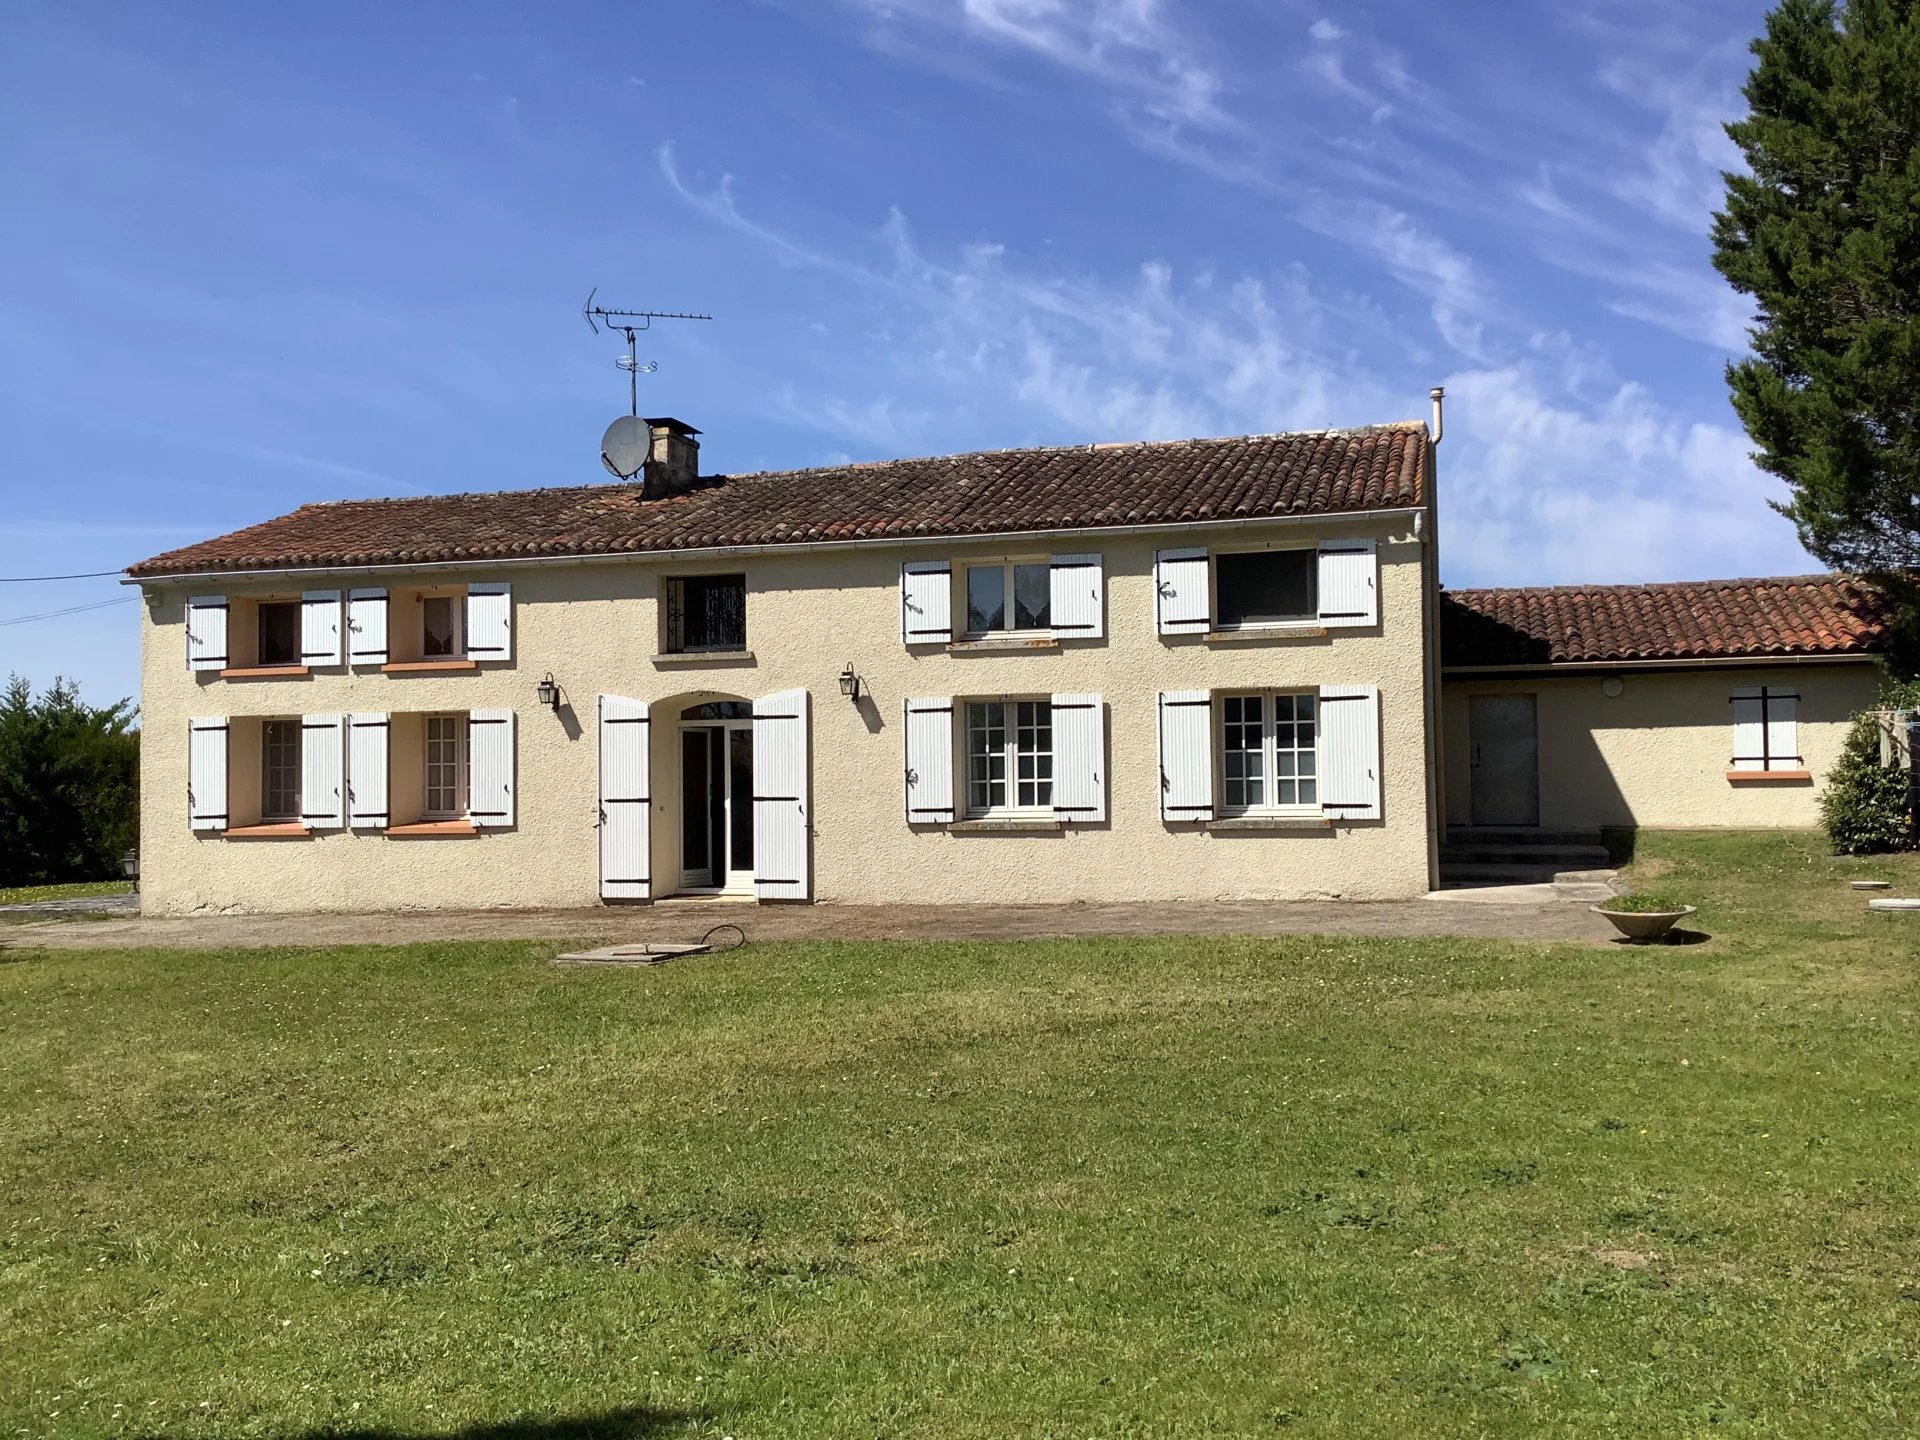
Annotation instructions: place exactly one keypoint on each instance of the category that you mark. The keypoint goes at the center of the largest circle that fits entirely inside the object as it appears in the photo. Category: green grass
(33, 894)
(1160, 1188)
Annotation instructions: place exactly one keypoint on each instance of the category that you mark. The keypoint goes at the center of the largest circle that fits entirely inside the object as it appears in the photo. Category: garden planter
(1641, 926)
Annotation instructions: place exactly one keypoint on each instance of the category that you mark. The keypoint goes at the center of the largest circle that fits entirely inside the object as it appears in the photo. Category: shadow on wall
(628, 1422)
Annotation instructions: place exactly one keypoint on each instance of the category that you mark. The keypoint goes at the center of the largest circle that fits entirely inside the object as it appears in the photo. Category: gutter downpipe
(1430, 593)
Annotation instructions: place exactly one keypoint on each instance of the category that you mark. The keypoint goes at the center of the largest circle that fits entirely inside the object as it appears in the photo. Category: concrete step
(1562, 857)
(1520, 835)
(1451, 875)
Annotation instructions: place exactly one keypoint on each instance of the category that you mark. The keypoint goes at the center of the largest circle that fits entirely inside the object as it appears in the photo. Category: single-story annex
(1205, 668)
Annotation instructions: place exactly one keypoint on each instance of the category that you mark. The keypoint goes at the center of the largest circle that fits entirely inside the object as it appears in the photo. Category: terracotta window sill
(703, 657)
(419, 667)
(1254, 634)
(277, 830)
(1769, 777)
(265, 672)
(1271, 822)
(434, 827)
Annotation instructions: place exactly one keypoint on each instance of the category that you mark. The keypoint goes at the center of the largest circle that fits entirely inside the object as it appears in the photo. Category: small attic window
(706, 613)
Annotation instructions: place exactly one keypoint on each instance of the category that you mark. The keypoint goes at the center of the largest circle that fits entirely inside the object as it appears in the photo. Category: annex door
(1503, 731)
(716, 805)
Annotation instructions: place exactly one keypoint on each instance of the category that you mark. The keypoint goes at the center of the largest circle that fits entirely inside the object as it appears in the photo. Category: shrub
(1650, 903)
(1864, 806)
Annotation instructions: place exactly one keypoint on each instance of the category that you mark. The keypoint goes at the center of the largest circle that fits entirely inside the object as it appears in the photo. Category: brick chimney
(673, 457)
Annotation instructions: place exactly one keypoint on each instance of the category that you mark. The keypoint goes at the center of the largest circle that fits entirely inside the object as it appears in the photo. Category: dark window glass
(1266, 586)
(280, 633)
(280, 770)
(986, 599)
(437, 626)
(719, 710)
(707, 612)
(1032, 597)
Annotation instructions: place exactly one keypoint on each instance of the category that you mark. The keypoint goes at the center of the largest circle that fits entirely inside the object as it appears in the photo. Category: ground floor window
(280, 770)
(446, 767)
(1009, 756)
(1269, 751)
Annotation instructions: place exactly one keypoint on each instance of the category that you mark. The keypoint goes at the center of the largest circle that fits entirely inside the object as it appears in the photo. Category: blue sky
(258, 255)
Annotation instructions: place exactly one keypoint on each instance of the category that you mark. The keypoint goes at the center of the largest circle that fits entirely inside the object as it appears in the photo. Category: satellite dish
(623, 449)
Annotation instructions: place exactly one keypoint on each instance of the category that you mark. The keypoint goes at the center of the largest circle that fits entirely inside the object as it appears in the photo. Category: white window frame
(1269, 752)
(457, 612)
(462, 762)
(1042, 563)
(1310, 618)
(1010, 752)
(268, 814)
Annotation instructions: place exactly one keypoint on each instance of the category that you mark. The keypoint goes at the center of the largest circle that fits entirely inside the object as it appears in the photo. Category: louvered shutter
(323, 755)
(320, 627)
(1074, 601)
(1079, 759)
(1749, 730)
(1349, 583)
(490, 768)
(626, 799)
(781, 809)
(1766, 730)
(490, 620)
(207, 773)
(1350, 752)
(367, 627)
(929, 731)
(1783, 729)
(206, 632)
(1181, 602)
(1186, 755)
(367, 804)
(926, 602)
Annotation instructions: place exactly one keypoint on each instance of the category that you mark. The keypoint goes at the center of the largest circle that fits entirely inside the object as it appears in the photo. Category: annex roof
(989, 492)
(1691, 620)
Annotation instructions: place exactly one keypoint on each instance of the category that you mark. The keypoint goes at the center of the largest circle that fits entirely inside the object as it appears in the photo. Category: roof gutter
(1716, 662)
(804, 547)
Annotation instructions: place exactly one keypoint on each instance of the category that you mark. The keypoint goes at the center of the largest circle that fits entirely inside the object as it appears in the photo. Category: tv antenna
(625, 322)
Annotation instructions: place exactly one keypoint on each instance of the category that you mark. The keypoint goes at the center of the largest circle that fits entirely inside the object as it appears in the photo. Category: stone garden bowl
(1641, 926)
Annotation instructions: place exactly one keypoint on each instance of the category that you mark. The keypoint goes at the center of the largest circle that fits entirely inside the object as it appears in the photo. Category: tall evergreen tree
(69, 785)
(1824, 233)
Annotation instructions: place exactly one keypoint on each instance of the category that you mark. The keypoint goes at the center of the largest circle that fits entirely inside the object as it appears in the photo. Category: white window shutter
(926, 602)
(929, 731)
(323, 755)
(367, 804)
(207, 773)
(490, 620)
(1349, 583)
(782, 868)
(367, 627)
(490, 768)
(1075, 584)
(1749, 729)
(1350, 752)
(1186, 755)
(626, 799)
(1181, 602)
(320, 627)
(1079, 759)
(1783, 730)
(206, 632)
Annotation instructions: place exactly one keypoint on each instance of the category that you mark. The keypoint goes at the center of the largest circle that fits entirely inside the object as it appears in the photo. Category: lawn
(1053, 1188)
(33, 894)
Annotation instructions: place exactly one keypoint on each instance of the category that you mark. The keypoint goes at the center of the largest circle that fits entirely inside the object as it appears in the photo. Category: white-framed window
(279, 631)
(280, 768)
(1266, 587)
(442, 626)
(1008, 596)
(1009, 757)
(1269, 751)
(446, 767)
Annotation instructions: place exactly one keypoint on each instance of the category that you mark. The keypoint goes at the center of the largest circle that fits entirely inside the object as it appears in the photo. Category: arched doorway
(716, 798)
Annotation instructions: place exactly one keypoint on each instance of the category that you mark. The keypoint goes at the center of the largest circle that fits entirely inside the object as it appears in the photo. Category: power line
(71, 609)
(36, 579)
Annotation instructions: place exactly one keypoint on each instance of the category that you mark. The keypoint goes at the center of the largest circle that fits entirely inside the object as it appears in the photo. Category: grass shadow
(1672, 937)
(628, 1422)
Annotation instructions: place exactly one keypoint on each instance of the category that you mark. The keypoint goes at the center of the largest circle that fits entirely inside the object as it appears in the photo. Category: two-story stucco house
(1195, 669)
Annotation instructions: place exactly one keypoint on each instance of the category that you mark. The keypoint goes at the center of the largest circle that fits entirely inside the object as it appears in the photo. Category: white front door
(716, 807)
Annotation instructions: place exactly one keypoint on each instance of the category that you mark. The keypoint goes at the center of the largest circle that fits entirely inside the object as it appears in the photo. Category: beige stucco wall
(594, 626)
(1656, 755)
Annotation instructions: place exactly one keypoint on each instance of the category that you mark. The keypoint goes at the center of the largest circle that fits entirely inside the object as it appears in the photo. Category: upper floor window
(1009, 756)
(1269, 751)
(440, 637)
(1266, 587)
(706, 612)
(1009, 596)
(280, 766)
(279, 627)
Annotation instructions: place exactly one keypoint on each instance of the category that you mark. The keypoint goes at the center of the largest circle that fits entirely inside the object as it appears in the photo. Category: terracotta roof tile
(991, 492)
(1695, 620)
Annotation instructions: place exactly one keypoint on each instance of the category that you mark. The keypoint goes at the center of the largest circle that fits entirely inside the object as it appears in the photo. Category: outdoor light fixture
(850, 684)
(130, 867)
(548, 692)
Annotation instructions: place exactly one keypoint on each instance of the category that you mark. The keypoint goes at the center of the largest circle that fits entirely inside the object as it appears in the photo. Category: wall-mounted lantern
(850, 684)
(547, 692)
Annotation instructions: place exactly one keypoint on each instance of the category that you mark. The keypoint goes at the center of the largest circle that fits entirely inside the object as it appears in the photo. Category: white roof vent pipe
(1439, 428)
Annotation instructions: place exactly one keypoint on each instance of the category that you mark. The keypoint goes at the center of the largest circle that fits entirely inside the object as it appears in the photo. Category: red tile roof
(988, 493)
(1695, 620)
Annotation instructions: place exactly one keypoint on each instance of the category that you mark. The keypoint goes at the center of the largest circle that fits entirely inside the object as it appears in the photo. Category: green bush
(1864, 806)
(69, 785)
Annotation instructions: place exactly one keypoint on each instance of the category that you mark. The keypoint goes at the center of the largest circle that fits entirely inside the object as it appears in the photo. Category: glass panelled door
(716, 807)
